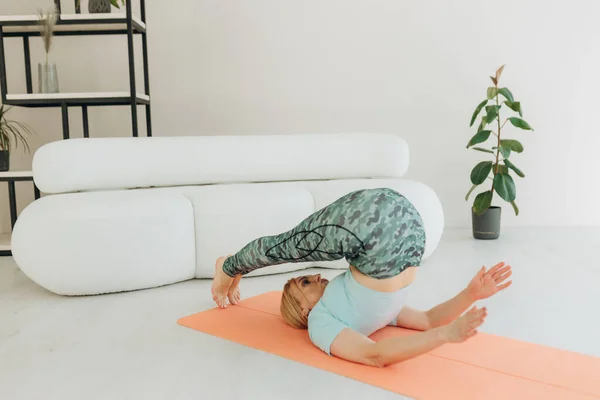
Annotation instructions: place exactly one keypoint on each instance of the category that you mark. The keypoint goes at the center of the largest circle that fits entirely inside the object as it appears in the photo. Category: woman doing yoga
(381, 235)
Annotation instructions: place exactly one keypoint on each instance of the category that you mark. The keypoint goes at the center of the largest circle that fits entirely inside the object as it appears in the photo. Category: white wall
(417, 69)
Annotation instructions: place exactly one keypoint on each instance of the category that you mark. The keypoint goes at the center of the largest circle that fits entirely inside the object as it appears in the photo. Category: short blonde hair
(290, 308)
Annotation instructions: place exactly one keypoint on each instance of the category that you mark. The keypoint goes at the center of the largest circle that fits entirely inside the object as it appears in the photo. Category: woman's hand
(465, 326)
(486, 284)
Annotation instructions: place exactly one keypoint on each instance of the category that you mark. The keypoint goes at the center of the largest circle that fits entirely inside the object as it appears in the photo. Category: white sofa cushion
(118, 163)
(92, 243)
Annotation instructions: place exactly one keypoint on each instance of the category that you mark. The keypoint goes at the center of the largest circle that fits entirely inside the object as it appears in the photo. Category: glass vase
(47, 78)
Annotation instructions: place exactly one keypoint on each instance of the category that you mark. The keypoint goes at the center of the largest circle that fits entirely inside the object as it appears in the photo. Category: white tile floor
(129, 346)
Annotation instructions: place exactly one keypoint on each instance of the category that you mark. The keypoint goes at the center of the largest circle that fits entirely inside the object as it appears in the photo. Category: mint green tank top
(348, 304)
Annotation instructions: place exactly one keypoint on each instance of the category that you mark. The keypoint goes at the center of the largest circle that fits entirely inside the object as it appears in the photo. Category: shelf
(74, 99)
(71, 24)
(16, 176)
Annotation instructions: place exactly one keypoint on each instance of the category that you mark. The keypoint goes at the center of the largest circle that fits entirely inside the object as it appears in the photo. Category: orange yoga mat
(485, 367)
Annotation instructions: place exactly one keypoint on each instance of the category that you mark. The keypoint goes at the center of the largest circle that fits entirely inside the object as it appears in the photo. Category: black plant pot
(487, 225)
(4, 160)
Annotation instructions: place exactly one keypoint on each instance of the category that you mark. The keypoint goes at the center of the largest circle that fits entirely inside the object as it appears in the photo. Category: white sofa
(121, 214)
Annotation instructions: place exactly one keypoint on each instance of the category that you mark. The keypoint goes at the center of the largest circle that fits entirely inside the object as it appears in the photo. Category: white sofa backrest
(122, 163)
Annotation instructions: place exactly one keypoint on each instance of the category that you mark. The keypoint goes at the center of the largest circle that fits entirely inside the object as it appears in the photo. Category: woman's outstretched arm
(483, 285)
(352, 346)
(448, 311)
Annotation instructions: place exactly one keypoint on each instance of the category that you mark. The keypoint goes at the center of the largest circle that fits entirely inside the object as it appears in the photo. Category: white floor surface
(129, 346)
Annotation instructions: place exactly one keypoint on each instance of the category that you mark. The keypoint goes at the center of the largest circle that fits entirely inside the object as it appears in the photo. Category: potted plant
(486, 218)
(100, 6)
(47, 75)
(11, 133)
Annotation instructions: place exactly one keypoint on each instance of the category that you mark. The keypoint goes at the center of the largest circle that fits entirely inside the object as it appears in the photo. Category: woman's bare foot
(234, 290)
(224, 286)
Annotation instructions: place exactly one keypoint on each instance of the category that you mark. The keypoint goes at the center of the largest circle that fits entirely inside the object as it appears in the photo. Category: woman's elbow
(374, 358)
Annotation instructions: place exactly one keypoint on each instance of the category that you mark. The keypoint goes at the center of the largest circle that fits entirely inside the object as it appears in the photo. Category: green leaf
(491, 92)
(479, 137)
(477, 111)
(492, 113)
(514, 145)
(484, 150)
(515, 106)
(500, 169)
(506, 93)
(514, 168)
(482, 124)
(505, 151)
(519, 123)
(515, 207)
(505, 187)
(13, 132)
(481, 172)
(482, 202)
(469, 192)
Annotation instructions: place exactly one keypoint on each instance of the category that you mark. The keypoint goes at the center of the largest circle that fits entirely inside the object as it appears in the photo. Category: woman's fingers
(503, 277)
(471, 334)
(481, 272)
(501, 271)
(476, 316)
(496, 268)
(472, 311)
(471, 321)
(504, 286)
(477, 321)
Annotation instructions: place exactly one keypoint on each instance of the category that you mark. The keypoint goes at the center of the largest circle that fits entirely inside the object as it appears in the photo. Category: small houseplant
(11, 133)
(47, 75)
(486, 218)
(100, 6)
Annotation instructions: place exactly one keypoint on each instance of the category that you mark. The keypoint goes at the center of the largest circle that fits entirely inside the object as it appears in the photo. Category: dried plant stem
(47, 21)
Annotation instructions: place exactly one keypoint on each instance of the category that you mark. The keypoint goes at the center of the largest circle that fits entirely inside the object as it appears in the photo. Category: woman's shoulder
(334, 288)
(333, 303)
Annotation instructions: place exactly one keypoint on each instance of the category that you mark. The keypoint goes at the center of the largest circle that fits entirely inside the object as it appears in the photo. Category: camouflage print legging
(378, 231)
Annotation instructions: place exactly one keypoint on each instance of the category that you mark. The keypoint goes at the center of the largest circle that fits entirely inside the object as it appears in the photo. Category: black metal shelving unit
(74, 24)
(79, 24)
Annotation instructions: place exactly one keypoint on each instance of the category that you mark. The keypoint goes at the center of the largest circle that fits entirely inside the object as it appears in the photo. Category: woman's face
(309, 289)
